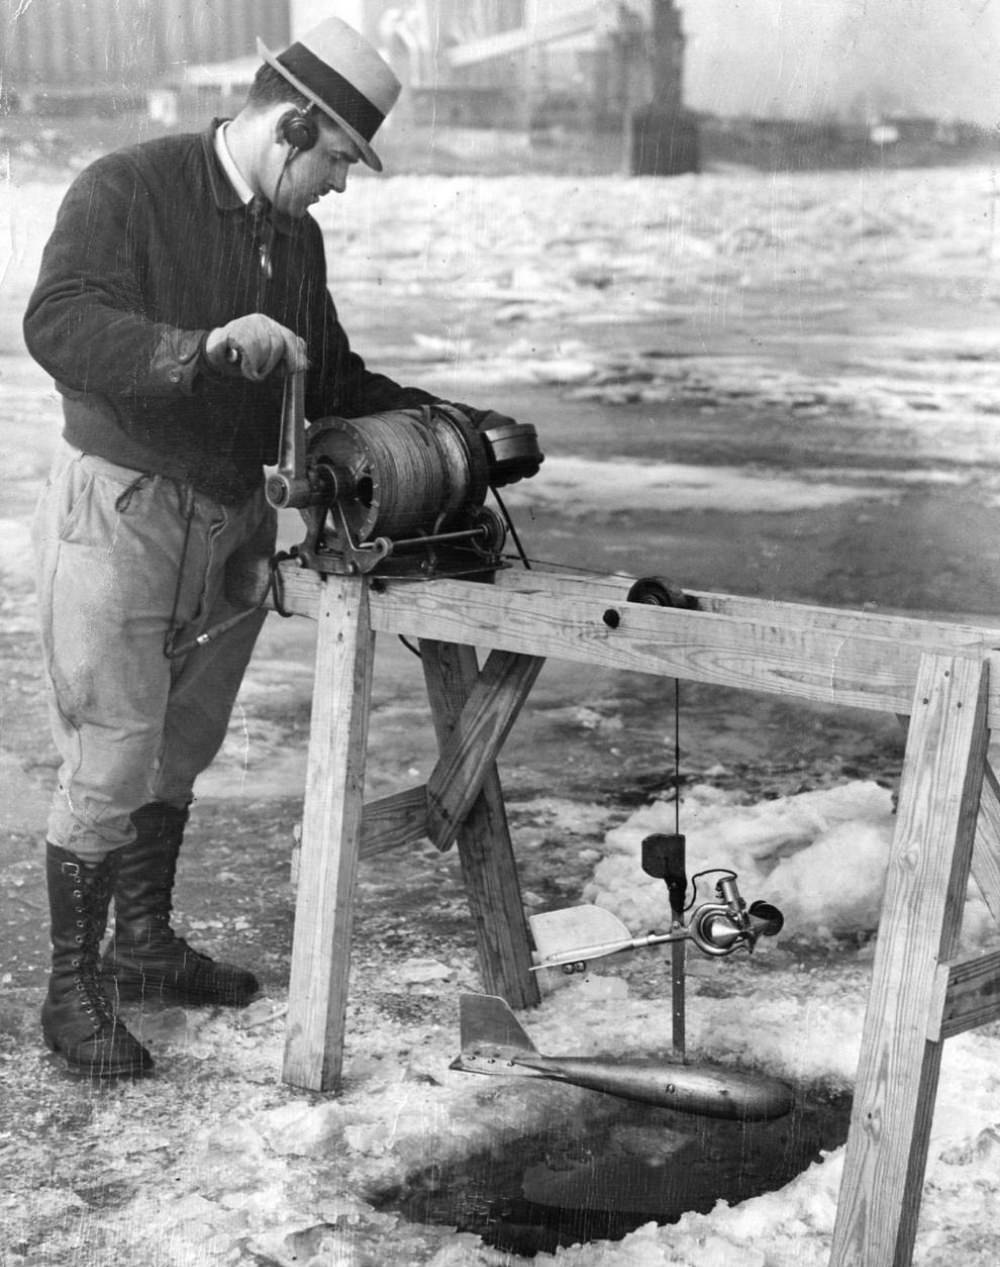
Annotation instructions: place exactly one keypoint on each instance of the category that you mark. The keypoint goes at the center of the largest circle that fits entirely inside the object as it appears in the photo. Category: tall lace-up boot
(145, 958)
(78, 1020)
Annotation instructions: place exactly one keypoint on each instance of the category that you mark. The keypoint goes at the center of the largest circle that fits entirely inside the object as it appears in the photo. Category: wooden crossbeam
(918, 631)
(857, 659)
(971, 995)
(300, 589)
(393, 821)
(780, 658)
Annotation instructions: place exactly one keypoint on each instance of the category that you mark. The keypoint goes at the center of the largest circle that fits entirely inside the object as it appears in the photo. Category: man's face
(313, 173)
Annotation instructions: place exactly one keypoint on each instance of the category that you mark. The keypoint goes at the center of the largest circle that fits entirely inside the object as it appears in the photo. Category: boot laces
(95, 886)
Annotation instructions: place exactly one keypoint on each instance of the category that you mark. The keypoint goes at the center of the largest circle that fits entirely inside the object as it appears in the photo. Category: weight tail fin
(493, 1040)
(486, 1020)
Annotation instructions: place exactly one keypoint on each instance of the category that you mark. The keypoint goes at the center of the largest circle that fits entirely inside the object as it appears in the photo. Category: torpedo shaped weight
(493, 1042)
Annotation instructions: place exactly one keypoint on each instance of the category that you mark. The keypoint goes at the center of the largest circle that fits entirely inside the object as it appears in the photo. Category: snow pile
(289, 1178)
(819, 856)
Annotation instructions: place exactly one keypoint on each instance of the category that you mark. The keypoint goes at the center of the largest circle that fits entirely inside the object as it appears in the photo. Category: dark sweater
(152, 248)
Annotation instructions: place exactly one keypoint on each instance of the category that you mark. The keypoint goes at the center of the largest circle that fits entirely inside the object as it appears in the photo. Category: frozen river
(783, 386)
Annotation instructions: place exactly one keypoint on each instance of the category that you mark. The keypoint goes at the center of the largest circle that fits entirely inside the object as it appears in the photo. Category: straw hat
(342, 75)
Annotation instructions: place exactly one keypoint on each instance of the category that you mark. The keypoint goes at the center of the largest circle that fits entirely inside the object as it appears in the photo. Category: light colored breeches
(130, 724)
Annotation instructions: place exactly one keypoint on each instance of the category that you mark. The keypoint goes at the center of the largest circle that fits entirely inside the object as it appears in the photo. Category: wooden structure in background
(942, 676)
(104, 46)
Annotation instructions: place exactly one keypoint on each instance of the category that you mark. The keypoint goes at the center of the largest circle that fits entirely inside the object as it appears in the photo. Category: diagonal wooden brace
(437, 809)
(475, 736)
(473, 714)
(986, 855)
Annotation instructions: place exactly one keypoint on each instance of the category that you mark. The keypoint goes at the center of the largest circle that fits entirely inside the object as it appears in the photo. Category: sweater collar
(228, 164)
(223, 190)
(228, 197)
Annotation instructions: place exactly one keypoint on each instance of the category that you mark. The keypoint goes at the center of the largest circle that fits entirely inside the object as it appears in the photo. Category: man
(182, 280)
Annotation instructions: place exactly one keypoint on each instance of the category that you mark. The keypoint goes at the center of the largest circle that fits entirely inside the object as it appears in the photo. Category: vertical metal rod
(677, 994)
(677, 950)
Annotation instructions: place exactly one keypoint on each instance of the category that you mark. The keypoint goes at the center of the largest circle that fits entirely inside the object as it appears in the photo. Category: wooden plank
(848, 658)
(940, 634)
(932, 634)
(317, 991)
(476, 737)
(919, 927)
(831, 667)
(484, 845)
(392, 821)
(301, 588)
(973, 994)
(986, 855)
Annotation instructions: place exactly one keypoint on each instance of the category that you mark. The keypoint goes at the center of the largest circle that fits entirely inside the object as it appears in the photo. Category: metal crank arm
(350, 559)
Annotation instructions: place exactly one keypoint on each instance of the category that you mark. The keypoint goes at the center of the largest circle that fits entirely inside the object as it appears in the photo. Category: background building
(654, 86)
(466, 62)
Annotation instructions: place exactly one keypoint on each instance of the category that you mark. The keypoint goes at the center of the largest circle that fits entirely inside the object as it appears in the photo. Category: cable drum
(402, 474)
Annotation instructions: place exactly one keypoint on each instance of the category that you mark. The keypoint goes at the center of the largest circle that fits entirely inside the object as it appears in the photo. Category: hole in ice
(600, 1183)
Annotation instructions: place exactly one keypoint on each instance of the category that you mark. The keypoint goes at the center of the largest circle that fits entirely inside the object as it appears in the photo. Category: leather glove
(485, 419)
(254, 346)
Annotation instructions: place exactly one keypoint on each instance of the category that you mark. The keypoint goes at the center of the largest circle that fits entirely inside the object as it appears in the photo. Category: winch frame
(943, 677)
(468, 543)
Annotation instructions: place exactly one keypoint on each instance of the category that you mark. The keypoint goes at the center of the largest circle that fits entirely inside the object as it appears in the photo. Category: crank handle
(290, 486)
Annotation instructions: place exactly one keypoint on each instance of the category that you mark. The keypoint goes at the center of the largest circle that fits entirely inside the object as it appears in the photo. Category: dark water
(642, 1165)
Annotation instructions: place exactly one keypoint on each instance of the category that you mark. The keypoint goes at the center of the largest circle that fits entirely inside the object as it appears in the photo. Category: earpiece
(300, 129)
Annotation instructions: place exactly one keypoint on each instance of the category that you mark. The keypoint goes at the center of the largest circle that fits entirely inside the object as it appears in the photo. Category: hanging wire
(511, 529)
(557, 565)
(677, 756)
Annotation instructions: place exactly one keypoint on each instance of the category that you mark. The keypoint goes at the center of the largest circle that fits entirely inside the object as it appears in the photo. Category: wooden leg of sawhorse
(487, 856)
(331, 829)
(919, 928)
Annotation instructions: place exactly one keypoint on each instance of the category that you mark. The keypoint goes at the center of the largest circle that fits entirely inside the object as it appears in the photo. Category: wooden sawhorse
(948, 821)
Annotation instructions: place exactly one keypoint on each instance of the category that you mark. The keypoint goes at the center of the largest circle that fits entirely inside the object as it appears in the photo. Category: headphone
(300, 129)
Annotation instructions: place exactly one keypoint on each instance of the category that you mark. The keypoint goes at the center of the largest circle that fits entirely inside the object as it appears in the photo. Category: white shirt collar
(236, 177)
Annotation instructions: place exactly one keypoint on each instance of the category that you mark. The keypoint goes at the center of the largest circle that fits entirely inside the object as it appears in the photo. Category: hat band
(335, 91)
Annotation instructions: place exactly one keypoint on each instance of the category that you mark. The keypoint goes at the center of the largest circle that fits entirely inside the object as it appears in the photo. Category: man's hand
(254, 346)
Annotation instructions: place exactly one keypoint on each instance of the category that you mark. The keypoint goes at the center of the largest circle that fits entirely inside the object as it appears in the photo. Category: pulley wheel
(656, 591)
(493, 531)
